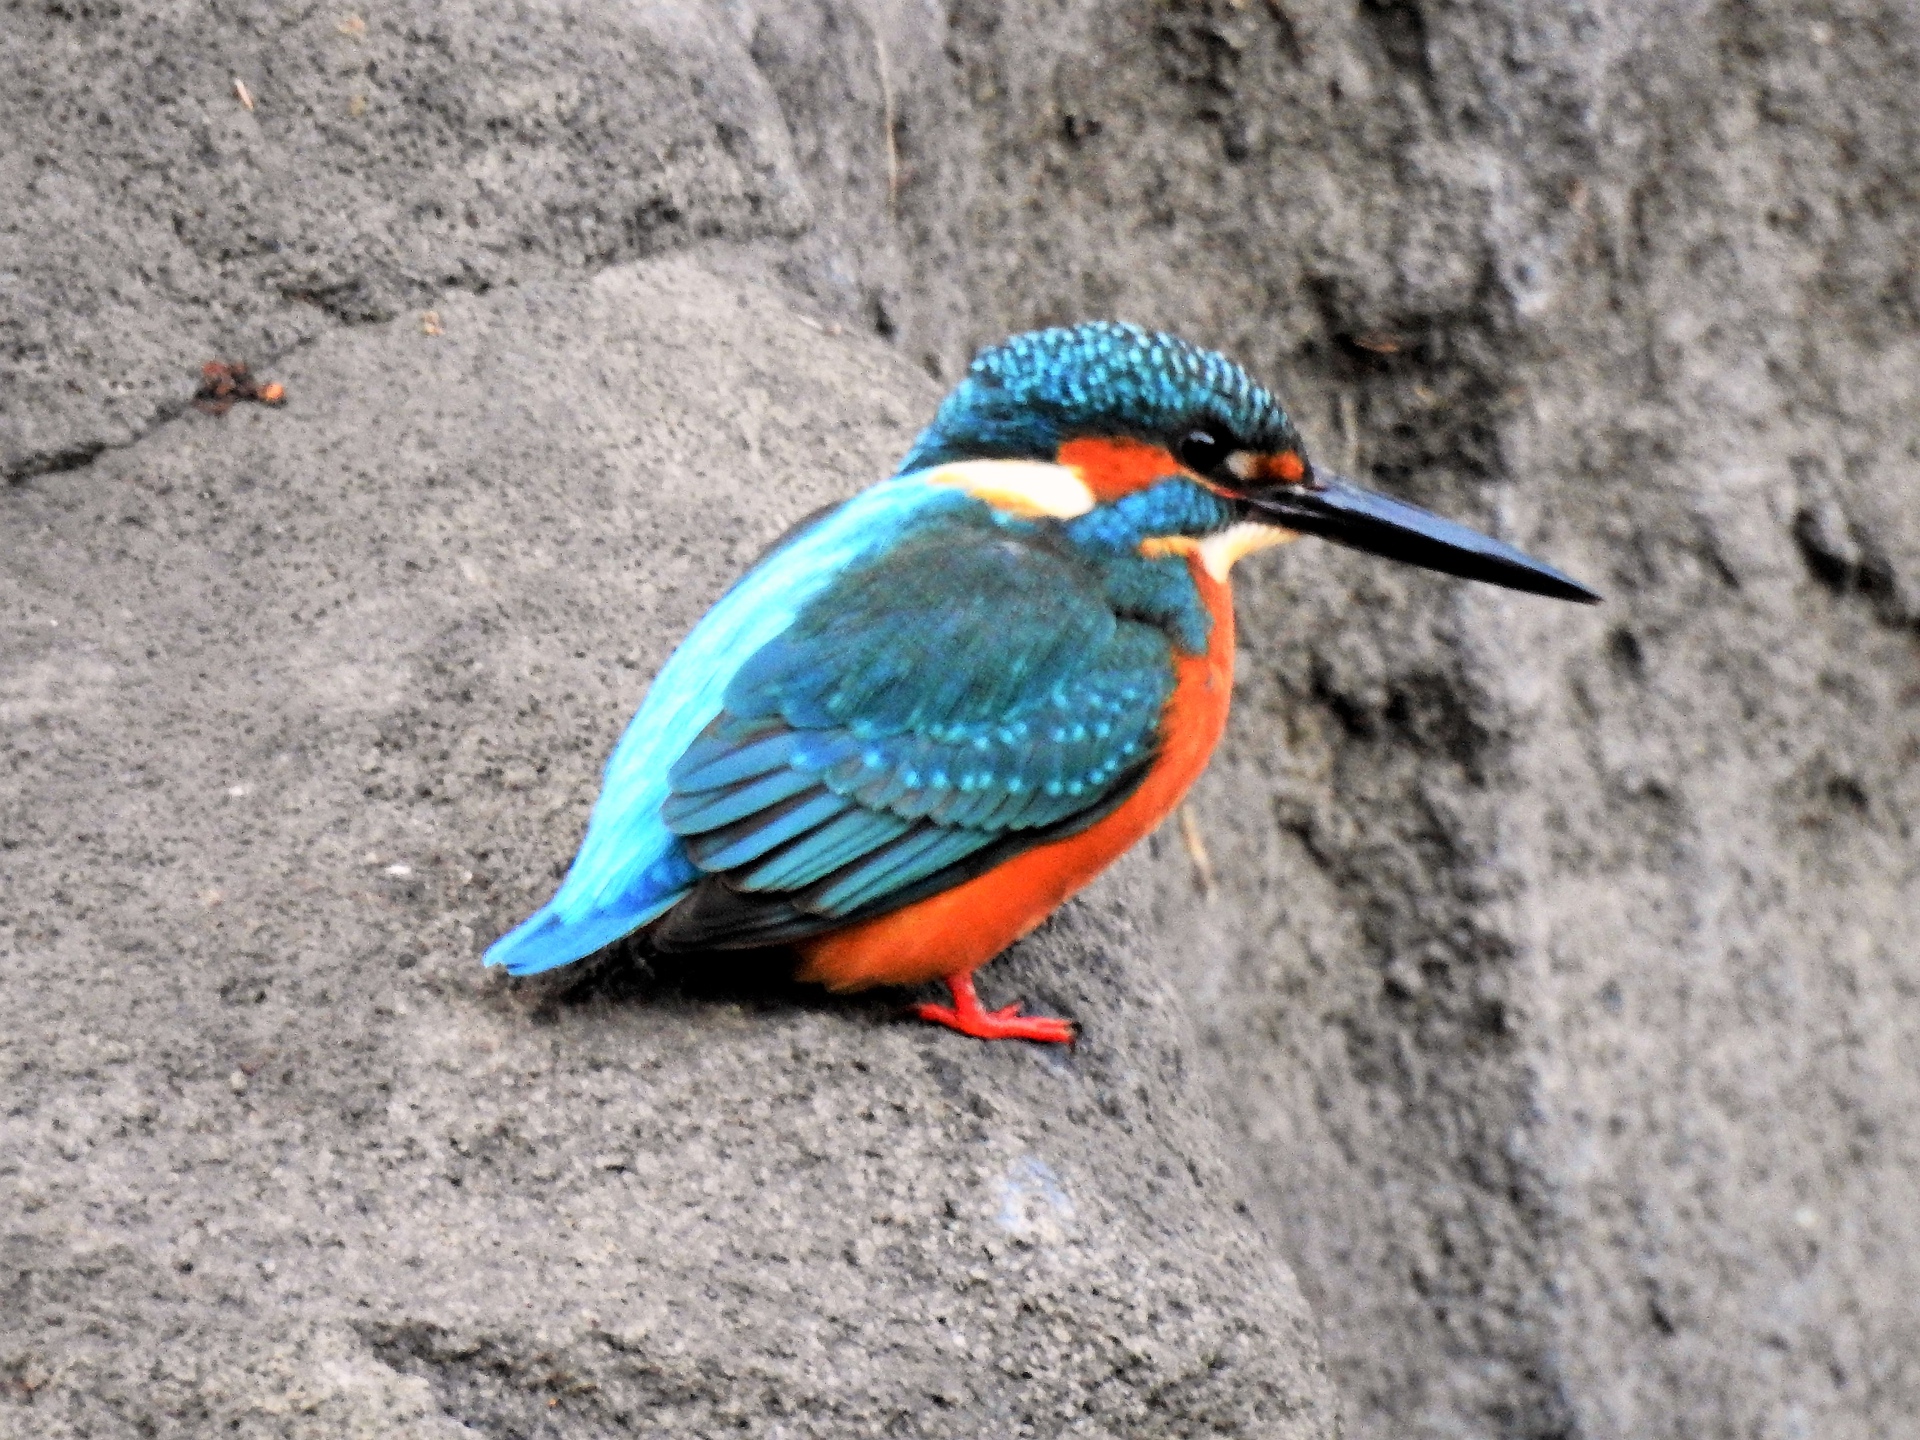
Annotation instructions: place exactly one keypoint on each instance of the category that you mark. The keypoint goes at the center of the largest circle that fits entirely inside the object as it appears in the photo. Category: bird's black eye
(1203, 450)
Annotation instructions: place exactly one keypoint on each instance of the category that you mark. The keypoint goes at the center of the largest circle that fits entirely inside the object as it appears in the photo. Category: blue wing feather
(710, 766)
(747, 843)
(840, 843)
(907, 860)
(711, 809)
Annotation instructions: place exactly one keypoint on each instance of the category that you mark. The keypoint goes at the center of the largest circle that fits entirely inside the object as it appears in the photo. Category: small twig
(240, 90)
(223, 385)
(1197, 851)
(1349, 430)
(886, 116)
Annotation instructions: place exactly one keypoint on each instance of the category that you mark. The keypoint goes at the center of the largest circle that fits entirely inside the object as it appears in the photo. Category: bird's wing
(631, 867)
(958, 697)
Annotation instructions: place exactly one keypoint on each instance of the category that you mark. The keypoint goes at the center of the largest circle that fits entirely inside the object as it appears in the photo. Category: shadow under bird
(930, 714)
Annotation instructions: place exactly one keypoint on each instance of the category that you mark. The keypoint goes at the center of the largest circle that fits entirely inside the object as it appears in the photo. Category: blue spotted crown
(1026, 396)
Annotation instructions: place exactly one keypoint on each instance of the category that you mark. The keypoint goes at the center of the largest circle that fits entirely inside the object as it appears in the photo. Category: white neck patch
(1031, 489)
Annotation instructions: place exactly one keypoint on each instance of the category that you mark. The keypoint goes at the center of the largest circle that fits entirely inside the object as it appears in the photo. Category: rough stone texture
(1560, 987)
(303, 706)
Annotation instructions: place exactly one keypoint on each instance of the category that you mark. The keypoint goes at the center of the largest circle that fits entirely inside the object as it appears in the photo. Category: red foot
(968, 1018)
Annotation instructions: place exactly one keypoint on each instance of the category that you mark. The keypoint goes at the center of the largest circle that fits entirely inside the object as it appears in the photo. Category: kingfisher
(931, 713)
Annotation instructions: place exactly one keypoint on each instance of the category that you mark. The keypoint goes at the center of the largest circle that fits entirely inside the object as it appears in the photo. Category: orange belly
(963, 928)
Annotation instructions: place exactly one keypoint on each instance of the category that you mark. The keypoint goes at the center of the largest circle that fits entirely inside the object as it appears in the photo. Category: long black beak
(1334, 508)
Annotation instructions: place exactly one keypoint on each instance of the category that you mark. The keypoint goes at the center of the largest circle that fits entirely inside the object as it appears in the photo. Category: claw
(1007, 1023)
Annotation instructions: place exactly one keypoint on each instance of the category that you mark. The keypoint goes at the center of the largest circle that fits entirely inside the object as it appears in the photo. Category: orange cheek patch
(1286, 467)
(1112, 468)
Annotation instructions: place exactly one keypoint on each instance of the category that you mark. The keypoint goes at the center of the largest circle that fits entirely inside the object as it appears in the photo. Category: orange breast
(963, 928)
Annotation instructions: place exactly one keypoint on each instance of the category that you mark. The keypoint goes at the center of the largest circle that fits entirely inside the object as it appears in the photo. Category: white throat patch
(1218, 552)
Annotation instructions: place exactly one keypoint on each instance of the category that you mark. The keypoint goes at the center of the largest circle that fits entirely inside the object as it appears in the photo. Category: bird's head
(1067, 421)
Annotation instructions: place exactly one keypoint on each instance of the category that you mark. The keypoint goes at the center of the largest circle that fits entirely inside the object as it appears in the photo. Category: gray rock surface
(305, 705)
(1559, 990)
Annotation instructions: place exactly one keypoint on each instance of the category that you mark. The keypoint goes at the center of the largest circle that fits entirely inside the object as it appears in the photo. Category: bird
(929, 714)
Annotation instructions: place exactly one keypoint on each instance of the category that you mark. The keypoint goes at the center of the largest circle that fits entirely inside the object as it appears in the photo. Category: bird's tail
(578, 921)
